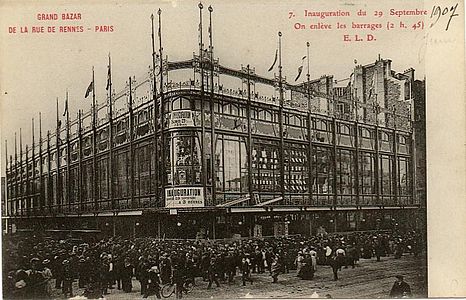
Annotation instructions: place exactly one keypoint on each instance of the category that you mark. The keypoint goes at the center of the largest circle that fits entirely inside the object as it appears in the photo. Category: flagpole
(376, 163)
(49, 170)
(110, 129)
(80, 179)
(58, 199)
(68, 154)
(201, 64)
(212, 113)
(41, 171)
(356, 143)
(16, 176)
(334, 161)
(280, 115)
(131, 137)
(201, 45)
(33, 168)
(162, 100)
(21, 169)
(309, 125)
(155, 117)
(249, 139)
(94, 108)
(395, 157)
(94, 143)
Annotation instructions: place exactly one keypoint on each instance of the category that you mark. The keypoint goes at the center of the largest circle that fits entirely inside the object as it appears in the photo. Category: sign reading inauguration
(181, 118)
(184, 197)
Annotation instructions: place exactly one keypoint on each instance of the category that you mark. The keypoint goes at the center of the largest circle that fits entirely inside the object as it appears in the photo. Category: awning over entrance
(234, 202)
(270, 201)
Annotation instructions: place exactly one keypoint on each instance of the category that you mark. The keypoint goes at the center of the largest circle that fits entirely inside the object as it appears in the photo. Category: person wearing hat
(35, 280)
(230, 266)
(67, 288)
(57, 270)
(47, 274)
(82, 272)
(21, 283)
(275, 268)
(378, 247)
(246, 269)
(165, 267)
(141, 274)
(299, 262)
(153, 287)
(313, 254)
(213, 272)
(127, 273)
(400, 288)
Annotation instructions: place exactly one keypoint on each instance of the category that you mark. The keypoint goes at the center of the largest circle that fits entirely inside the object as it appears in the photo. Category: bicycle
(169, 288)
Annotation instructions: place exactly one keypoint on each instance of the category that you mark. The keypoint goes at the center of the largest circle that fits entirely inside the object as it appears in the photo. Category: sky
(36, 68)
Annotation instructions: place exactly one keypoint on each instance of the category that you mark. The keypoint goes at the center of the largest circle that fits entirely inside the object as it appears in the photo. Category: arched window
(320, 125)
(181, 103)
(384, 137)
(268, 115)
(402, 140)
(176, 104)
(227, 108)
(344, 129)
(185, 103)
(365, 133)
(294, 120)
(234, 110)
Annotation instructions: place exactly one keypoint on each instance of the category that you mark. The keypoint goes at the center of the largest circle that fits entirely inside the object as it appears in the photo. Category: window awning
(234, 202)
(270, 201)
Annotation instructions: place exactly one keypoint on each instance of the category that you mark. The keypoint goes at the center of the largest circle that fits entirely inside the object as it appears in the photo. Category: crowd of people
(31, 263)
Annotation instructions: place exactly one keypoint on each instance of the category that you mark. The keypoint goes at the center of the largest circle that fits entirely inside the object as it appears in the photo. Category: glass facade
(318, 160)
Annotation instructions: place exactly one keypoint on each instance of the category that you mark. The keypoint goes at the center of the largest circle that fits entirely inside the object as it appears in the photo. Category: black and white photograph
(215, 149)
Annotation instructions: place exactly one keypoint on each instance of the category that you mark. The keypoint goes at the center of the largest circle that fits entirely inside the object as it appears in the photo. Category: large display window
(184, 153)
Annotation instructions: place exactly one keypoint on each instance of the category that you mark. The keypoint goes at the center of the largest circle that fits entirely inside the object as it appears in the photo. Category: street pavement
(369, 279)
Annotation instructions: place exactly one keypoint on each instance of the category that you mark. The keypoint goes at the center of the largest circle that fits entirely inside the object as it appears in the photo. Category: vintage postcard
(248, 149)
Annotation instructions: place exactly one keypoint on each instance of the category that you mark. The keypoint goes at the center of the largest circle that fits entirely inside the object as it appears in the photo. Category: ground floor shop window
(265, 166)
(184, 153)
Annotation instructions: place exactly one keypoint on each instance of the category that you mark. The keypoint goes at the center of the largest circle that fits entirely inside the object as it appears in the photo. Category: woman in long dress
(299, 262)
(307, 271)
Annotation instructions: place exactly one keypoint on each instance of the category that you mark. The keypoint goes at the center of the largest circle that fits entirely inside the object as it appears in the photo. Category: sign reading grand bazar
(321, 153)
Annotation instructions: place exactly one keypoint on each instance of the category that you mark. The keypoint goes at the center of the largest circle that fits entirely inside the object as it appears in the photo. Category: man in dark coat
(142, 275)
(178, 278)
(154, 283)
(36, 282)
(378, 247)
(118, 265)
(230, 266)
(126, 276)
(213, 272)
(83, 272)
(67, 288)
(165, 269)
(57, 270)
(400, 288)
(333, 262)
(246, 269)
(351, 255)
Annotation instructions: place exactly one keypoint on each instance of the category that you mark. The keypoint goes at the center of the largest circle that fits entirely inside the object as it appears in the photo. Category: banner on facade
(184, 197)
(181, 118)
